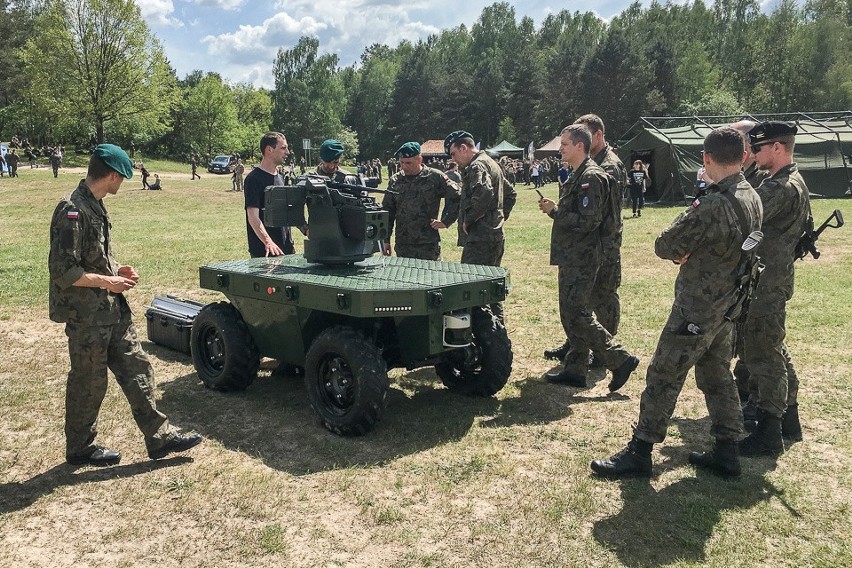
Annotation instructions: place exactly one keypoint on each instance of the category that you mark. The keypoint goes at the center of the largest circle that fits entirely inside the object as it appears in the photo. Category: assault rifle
(748, 276)
(807, 242)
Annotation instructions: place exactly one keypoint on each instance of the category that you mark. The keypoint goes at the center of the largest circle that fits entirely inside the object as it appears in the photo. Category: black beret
(770, 130)
(453, 136)
(408, 150)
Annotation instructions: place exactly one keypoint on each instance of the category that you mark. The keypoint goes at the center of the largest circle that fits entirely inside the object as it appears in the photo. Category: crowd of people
(754, 194)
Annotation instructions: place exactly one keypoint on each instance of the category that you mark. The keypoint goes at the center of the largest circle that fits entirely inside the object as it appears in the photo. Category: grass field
(444, 480)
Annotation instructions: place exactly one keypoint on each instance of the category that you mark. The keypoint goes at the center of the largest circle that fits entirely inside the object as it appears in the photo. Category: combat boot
(564, 377)
(766, 439)
(750, 415)
(558, 353)
(622, 373)
(791, 428)
(723, 459)
(633, 461)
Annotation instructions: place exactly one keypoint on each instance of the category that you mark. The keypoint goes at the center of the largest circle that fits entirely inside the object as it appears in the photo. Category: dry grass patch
(444, 480)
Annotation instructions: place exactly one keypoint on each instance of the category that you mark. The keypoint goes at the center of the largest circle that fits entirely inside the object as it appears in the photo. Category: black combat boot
(633, 461)
(766, 439)
(750, 415)
(558, 353)
(723, 459)
(791, 429)
(563, 377)
(622, 373)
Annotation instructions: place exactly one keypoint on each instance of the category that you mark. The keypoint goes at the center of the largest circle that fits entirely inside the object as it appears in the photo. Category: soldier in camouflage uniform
(786, 207)
(486, 201)
(86, 286)
(414, 209)
(330, 153)
(605, 301)
(706, 241)
(575, 247)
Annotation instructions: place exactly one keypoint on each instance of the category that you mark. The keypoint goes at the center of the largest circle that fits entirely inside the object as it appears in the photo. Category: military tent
(671, 146)
(433, 149)
(549, 149)
(506, 149)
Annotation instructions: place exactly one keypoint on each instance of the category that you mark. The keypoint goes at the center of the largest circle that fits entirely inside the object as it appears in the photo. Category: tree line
(500, 78)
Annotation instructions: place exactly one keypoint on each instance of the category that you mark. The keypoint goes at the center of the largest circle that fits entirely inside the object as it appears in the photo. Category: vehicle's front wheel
(223, 351)
(347, 380)
(483, 367)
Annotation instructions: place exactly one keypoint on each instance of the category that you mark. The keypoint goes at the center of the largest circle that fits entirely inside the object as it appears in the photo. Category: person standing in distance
(705, 241)
(414, 208)
(262, 241)
(87, 288)
(575, 248)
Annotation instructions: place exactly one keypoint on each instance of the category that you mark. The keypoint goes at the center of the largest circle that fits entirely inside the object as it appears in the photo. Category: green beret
(408, 150)
(115, 158)
(770, 130)
(331, 150)
(453, 136)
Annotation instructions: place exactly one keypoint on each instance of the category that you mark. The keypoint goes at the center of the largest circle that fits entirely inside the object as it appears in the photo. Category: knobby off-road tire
(347, 380)
(482, 368)
(223, 351)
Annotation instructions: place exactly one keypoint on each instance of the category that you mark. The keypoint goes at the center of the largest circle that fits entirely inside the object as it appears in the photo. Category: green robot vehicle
(346, 316)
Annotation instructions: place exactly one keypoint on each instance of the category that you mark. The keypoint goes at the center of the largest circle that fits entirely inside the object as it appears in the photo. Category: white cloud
(221, 4)
(158, 12)
(263, 41)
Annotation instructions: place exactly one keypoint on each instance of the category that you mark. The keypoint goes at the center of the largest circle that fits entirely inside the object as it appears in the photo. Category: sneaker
(176, 443)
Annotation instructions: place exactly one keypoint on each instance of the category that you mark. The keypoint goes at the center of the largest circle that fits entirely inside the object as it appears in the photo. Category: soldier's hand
(546, 205)
(435, 224)
(128, 272)
(272, 249)
(387, 249)
(682, 260)
(118, 284)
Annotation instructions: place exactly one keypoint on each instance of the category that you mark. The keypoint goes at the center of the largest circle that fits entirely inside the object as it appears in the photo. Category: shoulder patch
(696, 203)
(585, 202)
(72, 214)
(585, 185)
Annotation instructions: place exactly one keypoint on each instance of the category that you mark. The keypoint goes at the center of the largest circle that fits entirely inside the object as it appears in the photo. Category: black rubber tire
(482, 368)
(223, 351)
(347, 380)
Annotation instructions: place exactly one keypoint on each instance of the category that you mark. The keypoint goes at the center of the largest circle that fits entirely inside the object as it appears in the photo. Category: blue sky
(239, 38)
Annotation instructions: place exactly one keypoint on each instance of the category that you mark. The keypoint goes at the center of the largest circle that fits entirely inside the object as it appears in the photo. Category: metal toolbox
(170, 321)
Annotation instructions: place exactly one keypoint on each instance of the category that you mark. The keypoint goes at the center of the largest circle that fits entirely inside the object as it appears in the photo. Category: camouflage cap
(453, 136)
(115, 158)
(770, 130)
(331, 150)
(408, 150)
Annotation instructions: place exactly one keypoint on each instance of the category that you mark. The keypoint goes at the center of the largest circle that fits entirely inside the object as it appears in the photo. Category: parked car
(221, 165)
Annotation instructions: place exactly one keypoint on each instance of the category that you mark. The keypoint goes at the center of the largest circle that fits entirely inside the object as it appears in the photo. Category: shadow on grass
(674, 524)
(21, 494)
(273, 421)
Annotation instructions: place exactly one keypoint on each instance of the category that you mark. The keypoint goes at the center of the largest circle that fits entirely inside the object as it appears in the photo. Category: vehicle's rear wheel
(223, 351)
(347, 380)
(483, 367)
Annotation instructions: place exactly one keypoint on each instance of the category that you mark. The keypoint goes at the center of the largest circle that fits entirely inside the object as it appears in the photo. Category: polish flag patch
(585, 186)
(695, 203)
(74, 215)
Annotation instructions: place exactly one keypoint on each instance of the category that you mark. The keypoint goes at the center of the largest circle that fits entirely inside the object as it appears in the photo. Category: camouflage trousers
(677, 352)
(773, 382)
(583, 331)
(424, 251)
(93, 350)
(605, 301)
(489, 253)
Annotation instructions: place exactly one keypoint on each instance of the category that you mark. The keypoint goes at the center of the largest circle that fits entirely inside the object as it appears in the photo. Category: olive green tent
(506, 149)
(671, 147)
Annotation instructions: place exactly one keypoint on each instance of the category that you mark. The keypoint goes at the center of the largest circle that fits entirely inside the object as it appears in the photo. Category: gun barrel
(364, 188)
